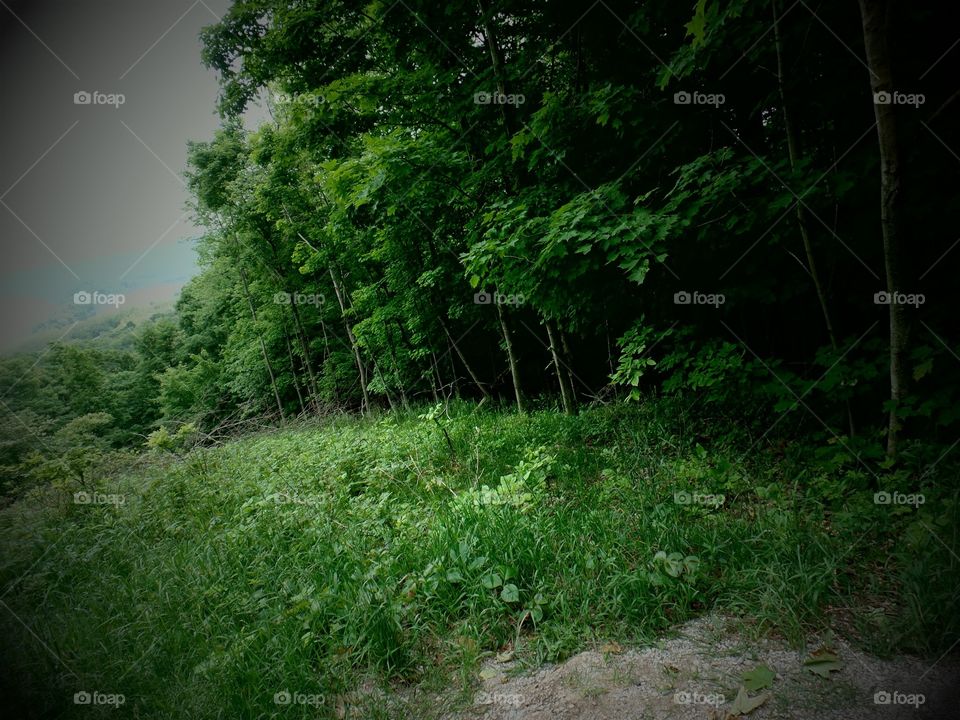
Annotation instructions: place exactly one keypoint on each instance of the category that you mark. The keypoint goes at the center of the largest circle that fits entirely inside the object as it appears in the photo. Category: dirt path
(698, 674)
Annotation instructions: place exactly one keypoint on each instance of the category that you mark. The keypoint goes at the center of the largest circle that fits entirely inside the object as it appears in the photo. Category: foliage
(315, 558)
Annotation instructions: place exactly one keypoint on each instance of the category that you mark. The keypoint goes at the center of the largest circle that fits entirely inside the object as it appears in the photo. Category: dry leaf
(822, 662)
(744, 704)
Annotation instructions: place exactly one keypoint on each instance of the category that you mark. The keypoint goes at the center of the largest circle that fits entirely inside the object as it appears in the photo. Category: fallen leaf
(758, 678)
(822, 662)
(744, 704)
(467, 643)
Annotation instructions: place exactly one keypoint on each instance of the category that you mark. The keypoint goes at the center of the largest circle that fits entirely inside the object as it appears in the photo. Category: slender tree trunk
(305, 349)
(496, 60)
(877, 16)
(514, 370)
(470, 372)
(454, 382)
(393, 356)
(353, 341)
(793, 154)
(561, 379)
(403, 392)
(383, 381)
(569, 364)
(293, 370)
(263, 346)
(435, 379)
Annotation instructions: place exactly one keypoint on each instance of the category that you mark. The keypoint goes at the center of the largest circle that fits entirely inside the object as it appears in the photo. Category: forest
(519, 329)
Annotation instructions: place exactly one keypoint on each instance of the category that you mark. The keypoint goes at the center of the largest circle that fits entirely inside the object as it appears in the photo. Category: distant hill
(112, 329)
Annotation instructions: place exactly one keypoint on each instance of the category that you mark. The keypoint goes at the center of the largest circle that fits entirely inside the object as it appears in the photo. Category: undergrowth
(399, 551)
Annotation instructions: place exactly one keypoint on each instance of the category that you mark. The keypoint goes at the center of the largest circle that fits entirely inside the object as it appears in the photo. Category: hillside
(111, 330)
(403, 552)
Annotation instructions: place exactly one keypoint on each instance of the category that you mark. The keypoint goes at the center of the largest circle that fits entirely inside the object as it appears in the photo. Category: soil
(697, 674)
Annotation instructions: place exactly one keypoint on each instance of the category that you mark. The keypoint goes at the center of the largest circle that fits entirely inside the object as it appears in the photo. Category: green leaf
(510, 593)
(491, 580)
(758, 678)
(698, 25)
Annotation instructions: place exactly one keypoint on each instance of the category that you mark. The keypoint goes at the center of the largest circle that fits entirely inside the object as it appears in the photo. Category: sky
(92, 195)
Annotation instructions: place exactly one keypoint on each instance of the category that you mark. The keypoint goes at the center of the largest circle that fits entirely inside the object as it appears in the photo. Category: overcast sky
(91, 195)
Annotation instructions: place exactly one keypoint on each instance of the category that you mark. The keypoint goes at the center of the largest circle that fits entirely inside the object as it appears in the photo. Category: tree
(877, 24)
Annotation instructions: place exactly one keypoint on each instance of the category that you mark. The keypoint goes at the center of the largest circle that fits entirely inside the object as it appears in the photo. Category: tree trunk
(877, 17)
(793, 153)
(400, 386)
(470, 372)
(496, 59)
(564, 391)
(326, 358)
(514, 370)
(305, 349)
(610, 367)
(435, 380)
(383, 381)
(569, 364)
(455, 380)
(393, 356)
(353, 341)
(293, 369)
(263, 346)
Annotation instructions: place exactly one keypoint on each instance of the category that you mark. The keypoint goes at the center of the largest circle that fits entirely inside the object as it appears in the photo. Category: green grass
(386, 563)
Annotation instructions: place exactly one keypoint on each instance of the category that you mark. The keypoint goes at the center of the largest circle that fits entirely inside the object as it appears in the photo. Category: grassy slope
(313, 559)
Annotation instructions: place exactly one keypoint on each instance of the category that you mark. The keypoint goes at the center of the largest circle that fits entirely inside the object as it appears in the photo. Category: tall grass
(374, 552)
